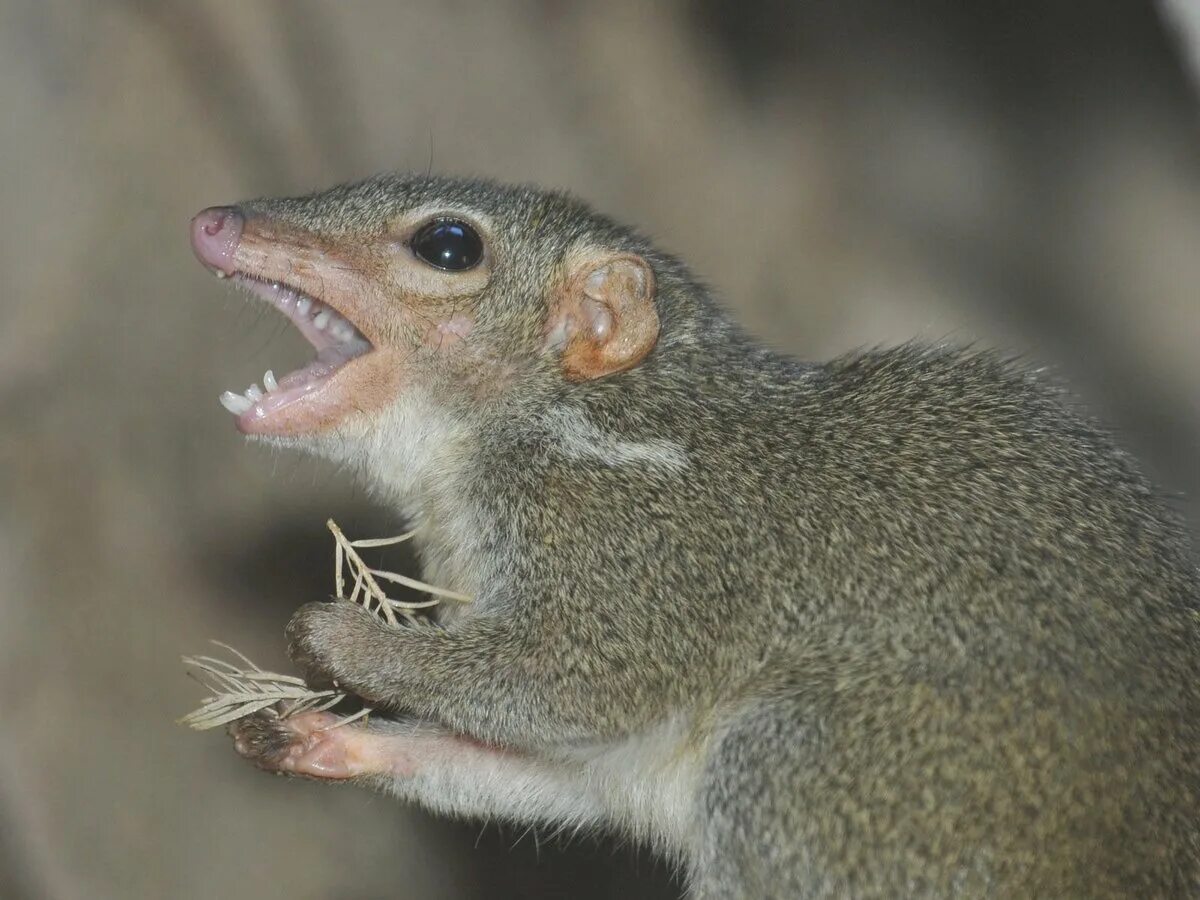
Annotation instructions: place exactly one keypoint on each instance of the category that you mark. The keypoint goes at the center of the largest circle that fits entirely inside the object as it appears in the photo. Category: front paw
(333, 644)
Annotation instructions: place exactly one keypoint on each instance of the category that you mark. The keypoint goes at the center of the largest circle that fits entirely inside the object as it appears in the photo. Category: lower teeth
(235, 403)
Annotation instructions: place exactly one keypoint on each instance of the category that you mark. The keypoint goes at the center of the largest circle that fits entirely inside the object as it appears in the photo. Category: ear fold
(605, 320)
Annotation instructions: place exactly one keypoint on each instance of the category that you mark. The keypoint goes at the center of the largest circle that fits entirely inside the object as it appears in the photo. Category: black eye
(448, 244)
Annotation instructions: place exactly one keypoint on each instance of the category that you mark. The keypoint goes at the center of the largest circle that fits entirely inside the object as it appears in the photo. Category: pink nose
(216, 232)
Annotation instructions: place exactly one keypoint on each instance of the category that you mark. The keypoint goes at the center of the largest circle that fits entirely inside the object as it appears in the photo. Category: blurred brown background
(851, 173)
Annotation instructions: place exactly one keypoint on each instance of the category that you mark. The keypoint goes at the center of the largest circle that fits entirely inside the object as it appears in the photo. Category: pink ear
(606, 321)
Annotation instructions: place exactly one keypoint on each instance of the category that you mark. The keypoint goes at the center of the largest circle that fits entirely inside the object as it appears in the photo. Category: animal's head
(430, 292)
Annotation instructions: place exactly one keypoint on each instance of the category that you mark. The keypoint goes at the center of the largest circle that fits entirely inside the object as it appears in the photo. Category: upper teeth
(323, 318)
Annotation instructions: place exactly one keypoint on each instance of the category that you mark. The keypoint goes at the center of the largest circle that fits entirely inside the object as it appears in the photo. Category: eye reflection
(448, 244)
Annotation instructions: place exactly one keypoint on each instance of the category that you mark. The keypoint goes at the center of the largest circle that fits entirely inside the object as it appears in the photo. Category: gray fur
(930, 632)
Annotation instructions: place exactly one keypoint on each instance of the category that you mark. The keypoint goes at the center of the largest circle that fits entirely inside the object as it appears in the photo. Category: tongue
(328, 360)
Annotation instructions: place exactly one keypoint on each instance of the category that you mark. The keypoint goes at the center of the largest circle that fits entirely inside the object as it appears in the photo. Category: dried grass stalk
(239, 688)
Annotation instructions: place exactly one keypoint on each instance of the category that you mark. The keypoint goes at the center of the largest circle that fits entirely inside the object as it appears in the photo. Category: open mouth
(314, 396)
(336, 339)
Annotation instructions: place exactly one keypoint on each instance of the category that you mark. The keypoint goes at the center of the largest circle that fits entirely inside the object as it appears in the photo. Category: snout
(216, 233)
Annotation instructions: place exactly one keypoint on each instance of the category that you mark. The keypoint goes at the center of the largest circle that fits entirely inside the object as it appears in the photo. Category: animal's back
(1003, 701)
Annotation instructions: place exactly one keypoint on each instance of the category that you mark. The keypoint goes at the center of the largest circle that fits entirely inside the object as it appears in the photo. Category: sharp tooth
(235, 403)
(269, 381)
(302, 306)
(221, 273)
(254, 392)
(321, 319)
